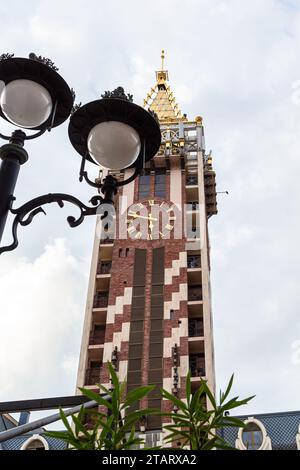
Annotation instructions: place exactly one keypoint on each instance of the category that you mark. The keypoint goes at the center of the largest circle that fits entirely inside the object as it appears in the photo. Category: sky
(235, 63)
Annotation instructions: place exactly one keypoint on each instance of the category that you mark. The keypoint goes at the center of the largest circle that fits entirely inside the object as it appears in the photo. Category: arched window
(35, 442)
(253, 436)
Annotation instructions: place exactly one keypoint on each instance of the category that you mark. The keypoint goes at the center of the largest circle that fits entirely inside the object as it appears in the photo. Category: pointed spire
(162, 59)
(161, 100)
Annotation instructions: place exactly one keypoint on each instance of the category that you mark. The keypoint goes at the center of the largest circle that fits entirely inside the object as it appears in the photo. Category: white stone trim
(177, 297)
(177, 264)
(266, 442)
(118, 308)
(298, 438)
(88, 318)
(35, 437)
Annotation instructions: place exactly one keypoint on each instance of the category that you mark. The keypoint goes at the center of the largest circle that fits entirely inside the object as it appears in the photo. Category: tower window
(160, 185)
(144, 186)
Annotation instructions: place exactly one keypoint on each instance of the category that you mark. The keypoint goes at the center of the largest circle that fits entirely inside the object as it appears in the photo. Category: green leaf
(188, 387)
(79, 427)
(229, 386)
(65, 421)
(96, 397)
(137, 394)
(176, 401)
(207, 392)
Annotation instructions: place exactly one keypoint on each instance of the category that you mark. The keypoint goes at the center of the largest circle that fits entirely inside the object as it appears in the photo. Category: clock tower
(149, 304)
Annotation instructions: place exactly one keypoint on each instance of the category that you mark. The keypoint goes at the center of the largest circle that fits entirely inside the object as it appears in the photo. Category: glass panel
(156, 290)
(144, 186)
(252, 436)
(155, 362)
(156, 325)
(135, 350)
(137, 326)
(160, 186)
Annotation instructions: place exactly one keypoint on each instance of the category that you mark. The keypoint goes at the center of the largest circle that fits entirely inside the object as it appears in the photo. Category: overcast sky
(235, 63)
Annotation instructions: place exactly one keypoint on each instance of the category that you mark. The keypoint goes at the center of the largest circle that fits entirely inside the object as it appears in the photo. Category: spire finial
(162, 59)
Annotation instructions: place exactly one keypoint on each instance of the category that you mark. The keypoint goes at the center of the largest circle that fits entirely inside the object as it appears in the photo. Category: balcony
(196, 328)
(92, 375)
(97, 336)
(104, 267)
(106, 241)
(194, 262)
(195, 294)
(100, 300)
(193, 205)
(197, 365)
(192, 180)
(90, 420)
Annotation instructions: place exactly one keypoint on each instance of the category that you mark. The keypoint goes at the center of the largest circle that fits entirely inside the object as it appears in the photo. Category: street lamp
(112, 132)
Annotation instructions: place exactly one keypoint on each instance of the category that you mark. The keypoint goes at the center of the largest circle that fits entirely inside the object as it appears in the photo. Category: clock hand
(137, 216)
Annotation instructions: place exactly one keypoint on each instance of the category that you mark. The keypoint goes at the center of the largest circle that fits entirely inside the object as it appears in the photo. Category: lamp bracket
(26, 213)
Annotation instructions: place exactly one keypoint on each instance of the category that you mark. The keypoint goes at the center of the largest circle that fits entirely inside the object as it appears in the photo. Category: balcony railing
(194, 262)
(104, 267)
(100, 300)
(195, 293)
(196, 328)
(193, 232)
(97, 336)
(106, 241)
(92, 376)
(191, 180)
(193, 205)
(197, 366)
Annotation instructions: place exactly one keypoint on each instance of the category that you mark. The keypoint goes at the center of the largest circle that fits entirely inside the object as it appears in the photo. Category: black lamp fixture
(111, 132)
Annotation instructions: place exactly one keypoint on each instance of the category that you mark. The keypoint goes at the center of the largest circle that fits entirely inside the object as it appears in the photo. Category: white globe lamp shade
(26, 103)
(114, 145)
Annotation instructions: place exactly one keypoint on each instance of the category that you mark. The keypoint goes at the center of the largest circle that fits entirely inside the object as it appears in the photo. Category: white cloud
(41, 305)
(232, 62)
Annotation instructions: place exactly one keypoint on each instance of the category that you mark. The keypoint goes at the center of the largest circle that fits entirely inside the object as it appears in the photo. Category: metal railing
(197, 365)
(106, 241)
(104, 267)
(197, 370)
(195, 293)
(196, 328)
(191, 180)
(193, 205)
(97, 337)
(194, 262)
(100, 300)
(92, 376)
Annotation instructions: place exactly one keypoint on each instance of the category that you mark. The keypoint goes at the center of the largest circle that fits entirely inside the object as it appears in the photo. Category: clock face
(151, 220)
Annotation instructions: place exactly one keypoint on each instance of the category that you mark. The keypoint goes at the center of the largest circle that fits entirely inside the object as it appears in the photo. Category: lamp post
(112, 132)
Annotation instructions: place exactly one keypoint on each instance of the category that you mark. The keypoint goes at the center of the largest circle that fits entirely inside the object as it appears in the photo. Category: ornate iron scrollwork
(44, 60)
(118, 93)
(6, 56)
(26, 213)
(75, 107)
